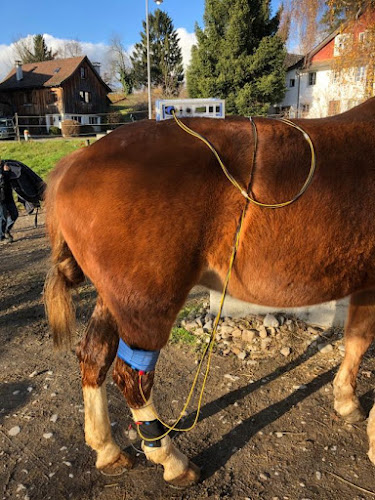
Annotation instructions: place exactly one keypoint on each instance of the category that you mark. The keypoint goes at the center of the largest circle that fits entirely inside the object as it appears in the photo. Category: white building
(316, 86)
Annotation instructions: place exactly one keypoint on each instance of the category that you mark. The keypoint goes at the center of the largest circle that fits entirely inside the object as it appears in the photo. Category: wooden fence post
(17, 127)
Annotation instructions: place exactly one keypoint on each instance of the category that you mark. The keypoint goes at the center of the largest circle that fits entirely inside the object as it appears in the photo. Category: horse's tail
(64, 274)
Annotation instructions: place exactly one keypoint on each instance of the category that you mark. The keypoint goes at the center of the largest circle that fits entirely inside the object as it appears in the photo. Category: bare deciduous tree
(121, 70)
(71, 48)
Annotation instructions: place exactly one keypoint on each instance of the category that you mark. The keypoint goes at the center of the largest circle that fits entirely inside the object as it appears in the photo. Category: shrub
(54, 130)
(87, 130)
(112, 120)
(70, 128)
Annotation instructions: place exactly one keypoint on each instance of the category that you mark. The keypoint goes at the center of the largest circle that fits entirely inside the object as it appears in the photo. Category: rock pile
(257, 337)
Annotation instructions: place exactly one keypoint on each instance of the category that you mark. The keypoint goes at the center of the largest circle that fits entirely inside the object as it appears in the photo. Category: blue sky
(92, 21)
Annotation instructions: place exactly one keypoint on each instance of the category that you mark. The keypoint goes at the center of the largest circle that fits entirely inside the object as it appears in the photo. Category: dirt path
(268, 431)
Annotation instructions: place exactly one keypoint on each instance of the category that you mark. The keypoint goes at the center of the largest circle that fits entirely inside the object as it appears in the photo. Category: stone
(325, 349)
(236, 333)
(264, 475)
(265, 343)
(208, 325)
(271, 321)
(47, 435)
(191, 325)
(313, 330)
(14, 431)
(199, 322)
(262, 332)
(236, 350)
(285, 351)
(242, 355)
(54, 418)
(279, 434)
(199, 331)
(318, 475)
(248, 335)
(132, 435)
(226, 329)
(232, 378)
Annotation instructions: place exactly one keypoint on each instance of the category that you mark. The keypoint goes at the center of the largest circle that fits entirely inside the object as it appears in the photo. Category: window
(334, 107)
(93, 120)
(83, 72)
(77, 118)
(305, 108)
(85, 96)
(335, 76)
(292, 82)
(27, 98)
(363, 37)
(312, 78)
(341, 44)
(53, 96)
(359, 73)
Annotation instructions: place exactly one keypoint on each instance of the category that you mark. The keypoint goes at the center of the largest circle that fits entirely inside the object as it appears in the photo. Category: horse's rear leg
(178, 471)
(359, 333)
(96, 353)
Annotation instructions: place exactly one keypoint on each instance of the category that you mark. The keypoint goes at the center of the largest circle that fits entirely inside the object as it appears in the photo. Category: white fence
(69, 125)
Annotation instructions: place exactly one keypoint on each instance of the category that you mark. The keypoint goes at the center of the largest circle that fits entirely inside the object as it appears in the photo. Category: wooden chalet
(55, 91)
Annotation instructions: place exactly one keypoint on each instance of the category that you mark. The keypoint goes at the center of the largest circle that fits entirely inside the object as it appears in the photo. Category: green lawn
(41, 155)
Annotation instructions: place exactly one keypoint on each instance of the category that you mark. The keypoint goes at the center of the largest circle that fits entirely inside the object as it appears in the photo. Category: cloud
(187, 40)
(96, 52)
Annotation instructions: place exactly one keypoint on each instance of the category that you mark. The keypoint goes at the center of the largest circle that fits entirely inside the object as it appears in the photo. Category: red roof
(325, 50)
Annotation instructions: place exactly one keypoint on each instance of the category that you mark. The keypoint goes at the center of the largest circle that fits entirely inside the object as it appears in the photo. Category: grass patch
(179, 334)
(187, 310)
(41, 155)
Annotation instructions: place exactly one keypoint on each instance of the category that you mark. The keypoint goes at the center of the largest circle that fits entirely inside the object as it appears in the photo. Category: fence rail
(76, 125)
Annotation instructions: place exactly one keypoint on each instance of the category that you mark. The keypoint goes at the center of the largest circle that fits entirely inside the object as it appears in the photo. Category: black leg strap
(151, 430)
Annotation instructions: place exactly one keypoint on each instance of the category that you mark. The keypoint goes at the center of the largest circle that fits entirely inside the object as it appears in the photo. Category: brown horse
(146, 213)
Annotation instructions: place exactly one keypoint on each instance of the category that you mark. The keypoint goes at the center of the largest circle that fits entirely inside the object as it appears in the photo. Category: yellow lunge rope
(209, 347)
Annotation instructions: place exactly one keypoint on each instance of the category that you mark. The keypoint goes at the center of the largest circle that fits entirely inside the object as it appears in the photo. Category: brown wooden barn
(57, 90)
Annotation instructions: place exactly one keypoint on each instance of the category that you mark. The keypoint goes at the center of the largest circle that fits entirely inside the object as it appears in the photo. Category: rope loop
(209, 347)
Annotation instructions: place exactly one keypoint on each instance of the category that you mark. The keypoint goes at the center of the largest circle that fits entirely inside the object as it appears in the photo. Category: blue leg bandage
(138, 359)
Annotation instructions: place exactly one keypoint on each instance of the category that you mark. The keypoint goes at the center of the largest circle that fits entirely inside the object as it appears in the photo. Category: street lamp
(158, 2)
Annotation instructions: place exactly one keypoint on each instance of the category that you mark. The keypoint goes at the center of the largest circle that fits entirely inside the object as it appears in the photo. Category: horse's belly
(291, 283)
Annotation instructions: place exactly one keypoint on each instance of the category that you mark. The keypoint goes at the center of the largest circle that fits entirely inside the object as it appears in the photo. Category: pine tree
(238, 56)
(38, 53)
(165, 55)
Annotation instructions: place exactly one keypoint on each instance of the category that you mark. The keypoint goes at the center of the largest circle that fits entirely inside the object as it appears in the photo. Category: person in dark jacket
(8, 210)
(29, 187)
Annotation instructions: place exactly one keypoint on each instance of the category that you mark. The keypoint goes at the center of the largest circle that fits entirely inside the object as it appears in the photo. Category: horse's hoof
(123, 463)
(188, 478)
(357, 415)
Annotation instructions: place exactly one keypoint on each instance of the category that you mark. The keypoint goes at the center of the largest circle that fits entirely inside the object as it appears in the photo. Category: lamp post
(158, 2)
